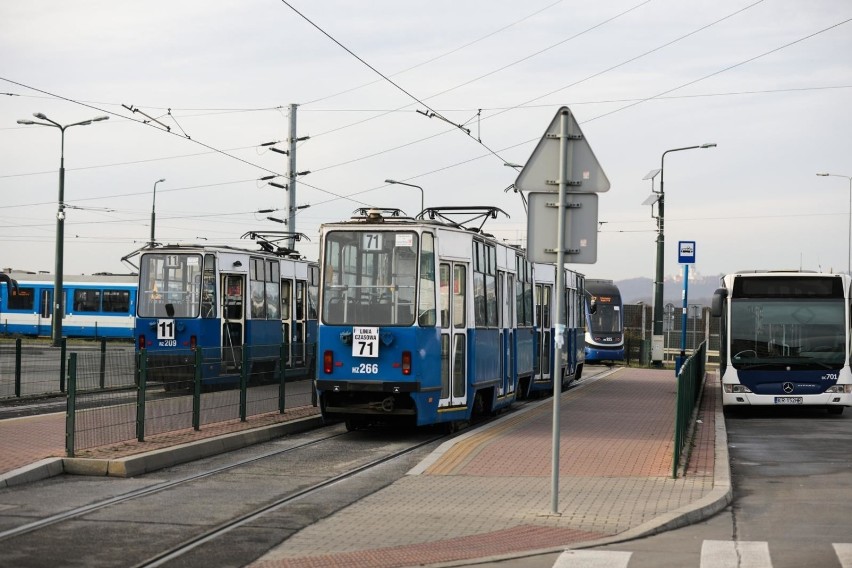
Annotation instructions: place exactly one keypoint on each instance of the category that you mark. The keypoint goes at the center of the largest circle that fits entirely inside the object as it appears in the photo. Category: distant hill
(700, 290)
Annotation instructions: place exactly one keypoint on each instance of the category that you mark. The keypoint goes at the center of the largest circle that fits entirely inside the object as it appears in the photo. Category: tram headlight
(731, 388)
(845, 389)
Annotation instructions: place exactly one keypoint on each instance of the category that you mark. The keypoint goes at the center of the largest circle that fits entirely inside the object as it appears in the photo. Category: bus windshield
(370, 277)
(169, 285)
(808, 332)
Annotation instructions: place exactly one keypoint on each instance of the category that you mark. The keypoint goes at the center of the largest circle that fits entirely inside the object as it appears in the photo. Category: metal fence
(689, 383)
(35, 368)
(701, 327)
(184, 390)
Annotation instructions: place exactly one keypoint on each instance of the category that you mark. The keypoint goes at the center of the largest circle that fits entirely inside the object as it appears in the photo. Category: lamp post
(393, 181)
(154, 211)
(60, 218)
(657, 336)
(849, 242)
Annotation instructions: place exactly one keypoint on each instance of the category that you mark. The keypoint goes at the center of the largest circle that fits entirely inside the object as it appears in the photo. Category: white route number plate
(365, 342)
(788, 400)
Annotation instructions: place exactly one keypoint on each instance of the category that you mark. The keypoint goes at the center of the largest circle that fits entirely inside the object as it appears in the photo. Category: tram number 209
(366, 369)
(168, 343)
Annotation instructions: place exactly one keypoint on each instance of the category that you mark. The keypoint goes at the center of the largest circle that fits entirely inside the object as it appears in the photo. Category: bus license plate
(788, 400)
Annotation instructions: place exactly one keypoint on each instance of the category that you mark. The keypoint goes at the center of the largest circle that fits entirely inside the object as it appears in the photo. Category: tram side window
(484, 284)
(23, 299)
(265, 289)
(87, 300)
(523, 293)
(426, 308)
(208, 287)
(117, 301)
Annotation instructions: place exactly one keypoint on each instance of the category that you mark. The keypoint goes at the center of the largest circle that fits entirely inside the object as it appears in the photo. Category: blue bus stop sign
(686, 252)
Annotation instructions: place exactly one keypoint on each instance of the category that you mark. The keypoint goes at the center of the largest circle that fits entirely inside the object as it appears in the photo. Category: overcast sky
(770, 82)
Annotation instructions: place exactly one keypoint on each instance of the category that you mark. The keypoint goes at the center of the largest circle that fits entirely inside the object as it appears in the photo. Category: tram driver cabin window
(370, 277)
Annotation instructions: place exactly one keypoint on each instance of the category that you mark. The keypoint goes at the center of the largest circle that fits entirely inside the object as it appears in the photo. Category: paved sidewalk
(488, 494)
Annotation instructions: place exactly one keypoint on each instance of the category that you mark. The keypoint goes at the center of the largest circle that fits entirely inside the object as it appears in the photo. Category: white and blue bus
(785, 339)
(430, 321)
(604, 321)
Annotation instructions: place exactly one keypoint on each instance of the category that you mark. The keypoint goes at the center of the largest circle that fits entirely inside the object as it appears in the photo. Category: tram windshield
(801, 332)
(170, 285)
(370, 277)
(606, 319)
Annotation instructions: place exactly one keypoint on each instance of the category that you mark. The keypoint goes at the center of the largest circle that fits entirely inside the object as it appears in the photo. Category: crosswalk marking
(714, 554)
(844, 554)
(592, 559)
(731, 554)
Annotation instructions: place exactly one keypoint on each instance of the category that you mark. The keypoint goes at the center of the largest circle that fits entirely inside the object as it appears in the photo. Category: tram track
(164, 521)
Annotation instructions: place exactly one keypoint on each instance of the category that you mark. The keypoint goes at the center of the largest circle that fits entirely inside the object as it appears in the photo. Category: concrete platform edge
(158, 459)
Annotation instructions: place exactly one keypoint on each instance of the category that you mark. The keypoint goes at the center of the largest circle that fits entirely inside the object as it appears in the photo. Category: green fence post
(71, 407)
(282, 376)
(63, 349)
(140, 395)
(244, 371)
(18, 349)
(196, 392)
(103, 364)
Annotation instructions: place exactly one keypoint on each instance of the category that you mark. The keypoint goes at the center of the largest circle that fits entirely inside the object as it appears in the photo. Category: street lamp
(60, 218)
(657, 337)
(153, 211)
(393, 181)
(849, 243)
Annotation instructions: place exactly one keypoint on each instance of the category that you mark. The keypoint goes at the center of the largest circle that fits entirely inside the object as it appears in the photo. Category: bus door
(233, 320)
(453, 335)
(45, 314)
(544, 298)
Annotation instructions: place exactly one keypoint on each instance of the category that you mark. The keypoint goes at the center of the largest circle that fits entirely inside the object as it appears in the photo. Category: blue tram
(605, 316)
(427, 320)
(93, 306)
(225, 300)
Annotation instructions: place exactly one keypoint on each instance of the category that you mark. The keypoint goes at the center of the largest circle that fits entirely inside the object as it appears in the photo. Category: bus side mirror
(719, 297)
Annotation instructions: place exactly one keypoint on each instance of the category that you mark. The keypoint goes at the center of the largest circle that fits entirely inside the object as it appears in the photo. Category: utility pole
(291, 184)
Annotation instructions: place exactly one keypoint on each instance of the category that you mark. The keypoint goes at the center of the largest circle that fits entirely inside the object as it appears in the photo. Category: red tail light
(142, 341)
(193, 341)
(327, 362)
(406, 362)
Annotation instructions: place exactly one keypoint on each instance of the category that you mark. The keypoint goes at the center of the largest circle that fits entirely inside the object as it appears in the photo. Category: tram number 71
(365, 342)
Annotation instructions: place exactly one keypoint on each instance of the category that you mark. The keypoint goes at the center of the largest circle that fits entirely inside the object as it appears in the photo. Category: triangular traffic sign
(541, 172)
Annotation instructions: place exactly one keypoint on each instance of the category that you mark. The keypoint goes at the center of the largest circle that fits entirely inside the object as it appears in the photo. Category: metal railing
(183, 390)
(690, 381)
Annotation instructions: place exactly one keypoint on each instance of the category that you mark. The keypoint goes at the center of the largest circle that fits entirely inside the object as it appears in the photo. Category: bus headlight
(729, 388)
(846, 389)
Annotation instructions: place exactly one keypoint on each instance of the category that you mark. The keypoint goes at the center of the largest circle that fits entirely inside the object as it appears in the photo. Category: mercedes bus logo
(788, 387)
